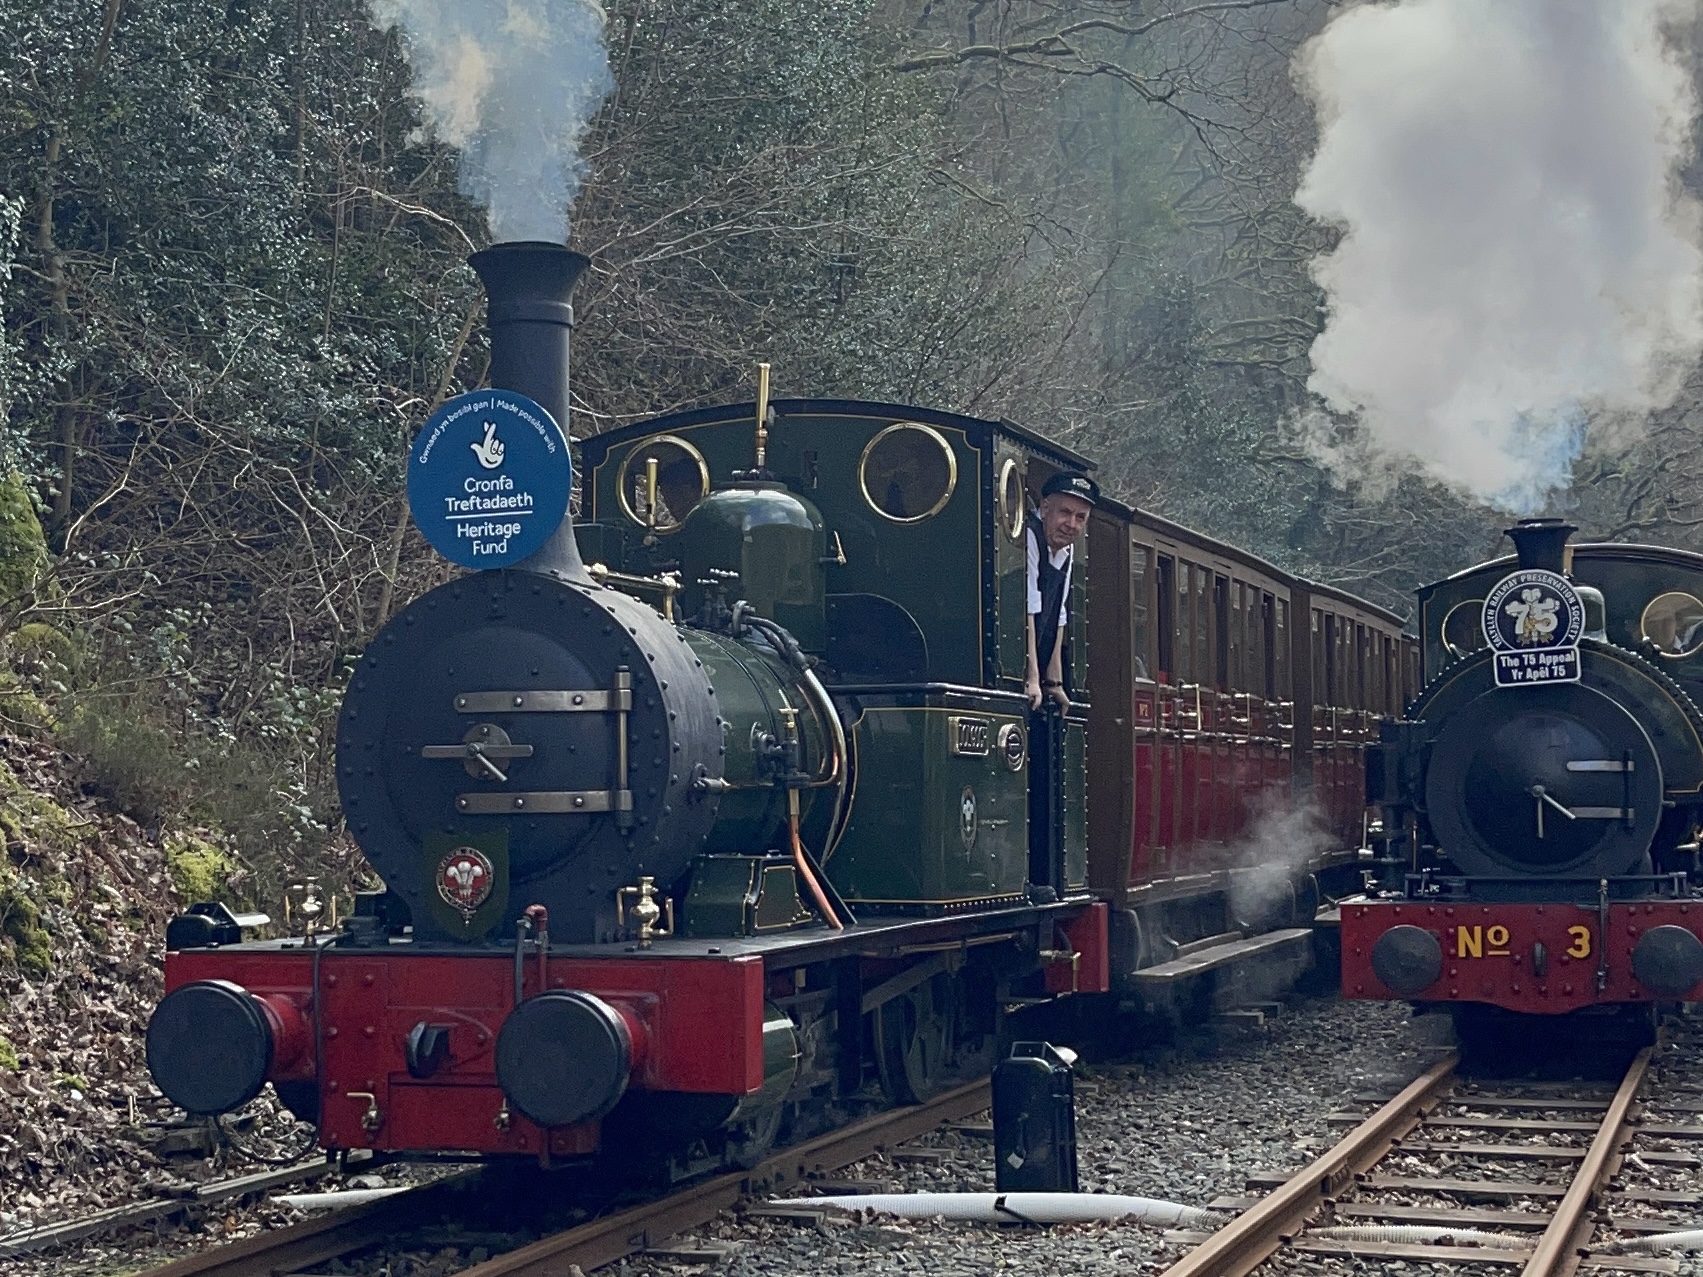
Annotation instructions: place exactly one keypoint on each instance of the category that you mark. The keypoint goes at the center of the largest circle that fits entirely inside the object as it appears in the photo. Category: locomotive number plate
(1496, 941)
(971, 737)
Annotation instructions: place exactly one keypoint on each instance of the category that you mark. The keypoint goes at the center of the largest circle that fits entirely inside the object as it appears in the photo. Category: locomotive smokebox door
(1034, 1120)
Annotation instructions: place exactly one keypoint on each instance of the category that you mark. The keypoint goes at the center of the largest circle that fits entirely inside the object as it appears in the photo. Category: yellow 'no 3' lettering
(1581, 946)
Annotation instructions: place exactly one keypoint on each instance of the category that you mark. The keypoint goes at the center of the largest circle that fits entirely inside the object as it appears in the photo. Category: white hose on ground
(1691, 1239)
(1008, 1208)
(336, 1201)
(1420, 1233)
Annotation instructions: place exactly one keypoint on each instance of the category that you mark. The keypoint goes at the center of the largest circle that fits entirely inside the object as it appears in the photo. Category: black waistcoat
(1051, 581)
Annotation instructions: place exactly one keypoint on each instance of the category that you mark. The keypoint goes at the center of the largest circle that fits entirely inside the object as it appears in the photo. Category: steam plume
(1517, 260)
(512, 84)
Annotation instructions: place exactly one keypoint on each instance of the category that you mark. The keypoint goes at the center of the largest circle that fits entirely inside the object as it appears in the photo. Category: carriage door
(1171, 590)
(1145, 707)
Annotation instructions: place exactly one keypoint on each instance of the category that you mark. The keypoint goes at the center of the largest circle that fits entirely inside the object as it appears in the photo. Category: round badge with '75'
(488, 478)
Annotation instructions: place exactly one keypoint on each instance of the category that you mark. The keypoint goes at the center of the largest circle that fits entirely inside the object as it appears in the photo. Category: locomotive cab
(888, 541)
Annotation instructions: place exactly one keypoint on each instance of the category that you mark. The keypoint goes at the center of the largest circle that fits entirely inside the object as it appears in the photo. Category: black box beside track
(1034, 1120)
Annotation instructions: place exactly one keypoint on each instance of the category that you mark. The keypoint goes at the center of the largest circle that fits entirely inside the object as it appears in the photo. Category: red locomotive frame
(695, 1024)
(1488, 951)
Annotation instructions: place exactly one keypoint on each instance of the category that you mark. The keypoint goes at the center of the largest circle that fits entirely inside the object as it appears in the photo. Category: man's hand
(1032, 689)
(1061, 696)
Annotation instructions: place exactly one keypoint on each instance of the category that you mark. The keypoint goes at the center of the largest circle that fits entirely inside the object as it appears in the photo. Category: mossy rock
(23, 548)
(21, 934)
(32, 826)
(8, 1056)
(198, 867)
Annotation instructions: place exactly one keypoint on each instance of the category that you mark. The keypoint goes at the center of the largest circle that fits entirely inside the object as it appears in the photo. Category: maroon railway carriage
(1232, 706)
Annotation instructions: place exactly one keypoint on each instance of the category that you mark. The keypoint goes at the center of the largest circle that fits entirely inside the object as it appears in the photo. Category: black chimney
(1542, 543)
(527, 286)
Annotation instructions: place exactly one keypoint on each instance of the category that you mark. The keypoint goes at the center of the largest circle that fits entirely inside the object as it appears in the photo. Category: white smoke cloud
(1517, 260)
(1284, 834)
(512, 84)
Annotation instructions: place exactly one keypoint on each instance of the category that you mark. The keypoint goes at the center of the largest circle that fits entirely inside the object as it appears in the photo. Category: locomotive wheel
(913, 1035)
(750, 1142)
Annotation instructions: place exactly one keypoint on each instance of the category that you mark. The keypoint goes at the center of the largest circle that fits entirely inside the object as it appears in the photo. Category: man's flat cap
(1073, 485)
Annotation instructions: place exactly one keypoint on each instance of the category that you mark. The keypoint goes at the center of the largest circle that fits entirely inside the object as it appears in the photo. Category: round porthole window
(1673, 624)
(682, 480)
(1011, 509)
(908, 472)
(1463, 627)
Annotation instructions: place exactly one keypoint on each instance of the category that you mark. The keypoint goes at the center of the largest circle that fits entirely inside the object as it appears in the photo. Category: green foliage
(128, 754)
(46, 650)
(8, 1056)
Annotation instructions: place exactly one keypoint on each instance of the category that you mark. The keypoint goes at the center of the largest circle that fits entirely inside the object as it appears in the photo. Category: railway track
(599, 1241)
(1520, 1177)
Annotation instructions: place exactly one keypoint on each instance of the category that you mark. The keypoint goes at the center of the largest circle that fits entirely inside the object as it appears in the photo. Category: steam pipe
(527, 286)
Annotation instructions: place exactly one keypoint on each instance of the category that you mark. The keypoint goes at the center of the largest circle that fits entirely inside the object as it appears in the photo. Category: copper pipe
(803, 867)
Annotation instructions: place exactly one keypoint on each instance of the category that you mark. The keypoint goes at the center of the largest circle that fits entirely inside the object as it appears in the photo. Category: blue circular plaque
(488, 478)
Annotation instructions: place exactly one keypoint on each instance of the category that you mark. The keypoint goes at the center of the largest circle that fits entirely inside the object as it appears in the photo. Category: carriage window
(1329, 688)
(1184, 668)
(1165, 624)
(1221, 633)
(1673, 625)
(681, 480)
(1238, 636)
(1463, 628)
(1321, 691)
(1139, 558)
(1374, 672)
(1281, 685)
(1360, 663)
(908, 472)
(1263, 648)
(1011, 508)
(1203, 667)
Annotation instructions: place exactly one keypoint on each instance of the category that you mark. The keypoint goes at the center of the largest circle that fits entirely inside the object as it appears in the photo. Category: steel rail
(1253, 1236)
(114, 1218)
(285, 1250)
(1560, 1248)
(603, 1241)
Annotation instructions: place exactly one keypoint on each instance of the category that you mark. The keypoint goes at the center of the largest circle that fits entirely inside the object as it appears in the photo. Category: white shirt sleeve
(1032, 573)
